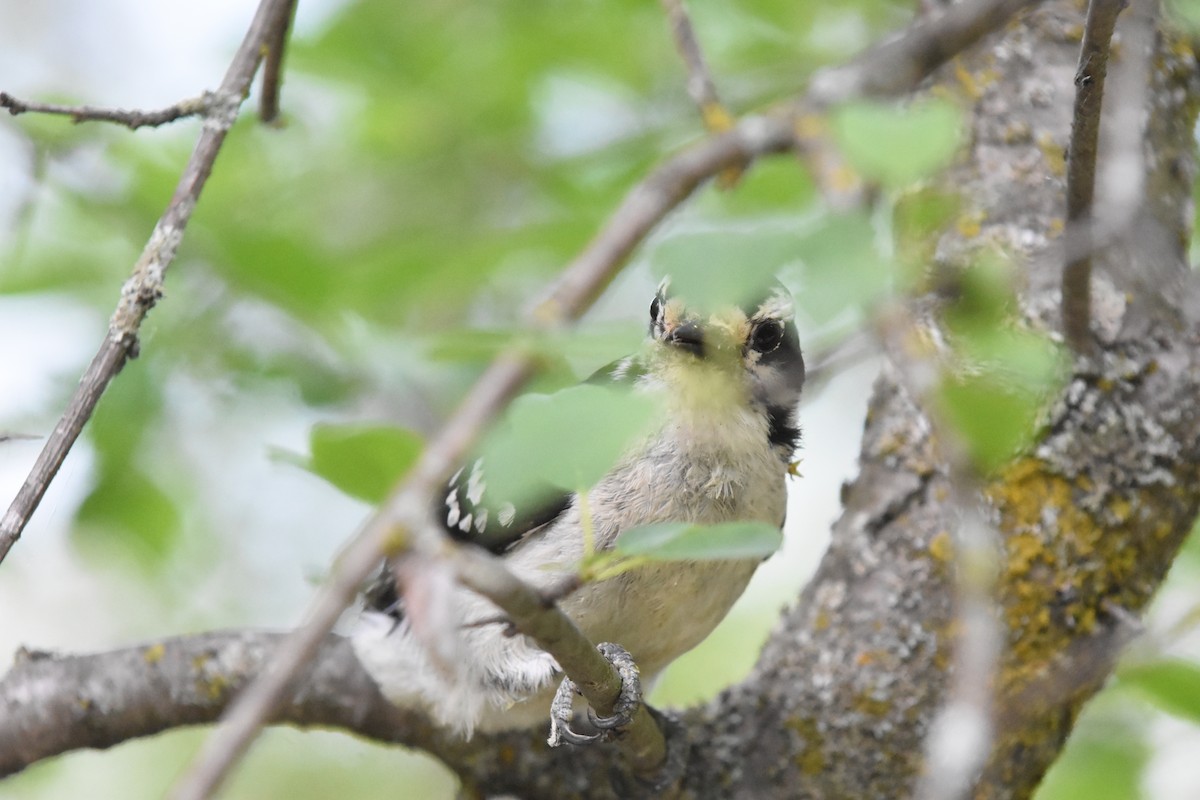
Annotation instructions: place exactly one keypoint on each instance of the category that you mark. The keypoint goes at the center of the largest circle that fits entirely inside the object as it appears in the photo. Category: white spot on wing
(464, 524)
(452, 509)
(481, 520)
(476, 485)
(507, 514)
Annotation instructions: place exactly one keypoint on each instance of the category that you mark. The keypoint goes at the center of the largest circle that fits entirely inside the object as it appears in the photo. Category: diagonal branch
(144, 287)
(700, 85)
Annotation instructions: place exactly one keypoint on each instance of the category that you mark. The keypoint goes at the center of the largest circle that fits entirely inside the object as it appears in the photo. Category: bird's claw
(562, 708)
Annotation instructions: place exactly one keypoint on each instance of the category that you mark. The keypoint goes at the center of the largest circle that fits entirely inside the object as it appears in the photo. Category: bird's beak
(688, 336)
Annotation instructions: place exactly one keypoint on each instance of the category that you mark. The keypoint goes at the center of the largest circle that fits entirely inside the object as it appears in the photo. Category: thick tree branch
(144, 287)
(52, 704)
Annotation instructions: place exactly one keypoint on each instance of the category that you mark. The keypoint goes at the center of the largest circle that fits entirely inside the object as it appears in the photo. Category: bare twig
(272, 78)
(700, 86)
(401, 523)
(1081, 164)
(143, 288)
(130, 118)
(960, 737)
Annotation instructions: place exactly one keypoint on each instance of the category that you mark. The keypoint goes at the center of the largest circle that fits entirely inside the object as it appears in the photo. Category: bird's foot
(562, 708)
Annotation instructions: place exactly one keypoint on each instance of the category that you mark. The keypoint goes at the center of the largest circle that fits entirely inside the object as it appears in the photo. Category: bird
(727, 382)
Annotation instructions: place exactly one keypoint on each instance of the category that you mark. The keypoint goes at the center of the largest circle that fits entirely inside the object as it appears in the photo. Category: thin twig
(401, 522)
(144, 287)
(1081, 164)
(960, 737)
(272, 77)
(130, 118)
(700, 85)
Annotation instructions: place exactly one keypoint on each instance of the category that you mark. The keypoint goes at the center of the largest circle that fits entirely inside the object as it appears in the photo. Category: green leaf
(1026, 361)
(568, 439)
(898, 145)
(1098, 765)
(843, 268)
(1171, 684)
(128, 512)
(1186, 12)
(713, 269)
(984, 295)
(993, 418)
(678, 541)
(918, 219)
(364, 460)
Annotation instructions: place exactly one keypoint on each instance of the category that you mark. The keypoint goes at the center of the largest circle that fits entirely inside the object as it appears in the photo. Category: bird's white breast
(703, 466)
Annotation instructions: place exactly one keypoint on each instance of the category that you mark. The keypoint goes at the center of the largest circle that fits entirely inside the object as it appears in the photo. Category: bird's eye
(655, 308)
(767, 336)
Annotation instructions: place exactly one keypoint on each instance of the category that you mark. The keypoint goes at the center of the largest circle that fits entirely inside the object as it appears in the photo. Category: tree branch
(700, 86)
(272, 79)
(1081, 164)
(144, 287)
(52, 704)
(132, 119)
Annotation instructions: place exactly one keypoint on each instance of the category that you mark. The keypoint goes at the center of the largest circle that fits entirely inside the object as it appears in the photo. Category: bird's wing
(469, 514)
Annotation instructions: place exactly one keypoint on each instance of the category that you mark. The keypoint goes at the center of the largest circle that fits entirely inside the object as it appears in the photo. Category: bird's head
(749, 350)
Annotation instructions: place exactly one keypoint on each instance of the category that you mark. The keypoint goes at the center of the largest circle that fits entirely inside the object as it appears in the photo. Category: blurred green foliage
(364, 460)
(1172, 684)
(1004, 374)
(1104, 759)
(898, 144)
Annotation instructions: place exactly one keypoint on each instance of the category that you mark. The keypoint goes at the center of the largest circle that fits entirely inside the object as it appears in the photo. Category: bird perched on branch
(727, 383)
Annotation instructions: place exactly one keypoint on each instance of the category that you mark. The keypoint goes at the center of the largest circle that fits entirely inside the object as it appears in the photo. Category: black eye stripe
(655, 308)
